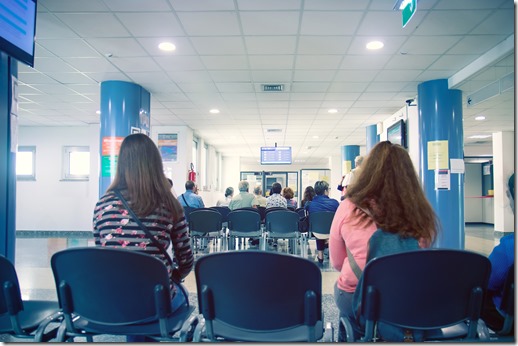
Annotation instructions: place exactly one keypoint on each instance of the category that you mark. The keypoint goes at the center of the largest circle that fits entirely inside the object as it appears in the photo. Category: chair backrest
(187, 211)
(111, 286)
(254, 295)
(282, 221)
(244, 221)
(10, 296)
(320, 221)
(223, 210)
(425, 289)
(204, 220)
(271, 209)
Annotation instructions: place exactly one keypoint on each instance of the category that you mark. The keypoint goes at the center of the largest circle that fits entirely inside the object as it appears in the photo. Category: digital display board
(275, 155)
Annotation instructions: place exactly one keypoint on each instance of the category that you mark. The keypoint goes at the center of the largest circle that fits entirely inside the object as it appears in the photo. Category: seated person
(287, 193)
(244, 199)
(321, 202)
(259, 199)
(229, 193)
(502, 258)
(275, 199)
(189, 198)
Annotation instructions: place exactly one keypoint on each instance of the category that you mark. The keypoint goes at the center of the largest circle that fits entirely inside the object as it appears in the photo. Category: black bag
(304, 224)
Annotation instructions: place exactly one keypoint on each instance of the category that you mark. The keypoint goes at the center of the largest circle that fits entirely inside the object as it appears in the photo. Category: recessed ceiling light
(479, 136)
(332, 110)
(167, 46)
(316, 137)
(480, 117)
(214, 111)
(375, 45)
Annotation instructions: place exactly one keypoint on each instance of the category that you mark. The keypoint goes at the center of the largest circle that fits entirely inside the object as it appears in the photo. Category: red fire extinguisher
(192, 174)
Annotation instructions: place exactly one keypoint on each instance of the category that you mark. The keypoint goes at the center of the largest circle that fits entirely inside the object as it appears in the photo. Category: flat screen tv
(396, 133)
(275, 155)
(18, 29)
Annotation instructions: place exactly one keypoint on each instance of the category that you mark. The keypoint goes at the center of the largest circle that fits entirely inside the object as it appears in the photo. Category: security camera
(409, 101)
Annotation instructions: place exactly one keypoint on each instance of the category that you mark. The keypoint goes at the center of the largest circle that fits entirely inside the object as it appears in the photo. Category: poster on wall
(168, 146)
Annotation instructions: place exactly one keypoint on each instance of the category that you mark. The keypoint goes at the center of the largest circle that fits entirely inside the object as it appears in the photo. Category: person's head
(243, 186)
(140, 171)
(287, 193)
(229, 191)
(258, 190)
(392, 194)
(276, 188)
(358, 160)
(309, 193)
(321, 187)
(190, 185)
(510, 191)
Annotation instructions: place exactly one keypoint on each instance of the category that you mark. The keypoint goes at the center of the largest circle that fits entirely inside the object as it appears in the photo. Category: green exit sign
(409, 11)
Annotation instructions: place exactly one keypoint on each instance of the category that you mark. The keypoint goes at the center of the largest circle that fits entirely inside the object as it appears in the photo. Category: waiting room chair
(117, 292)
(319, 227)
(24, 319)
(259, 296)
(244, 224)
(223, 210)
(437, 291)
(283, 224)
(206, 224)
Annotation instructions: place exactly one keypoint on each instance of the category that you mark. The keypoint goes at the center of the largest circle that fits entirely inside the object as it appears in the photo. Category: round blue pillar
(441, 140)
(372, 136)
(125, 110)
(349, 152)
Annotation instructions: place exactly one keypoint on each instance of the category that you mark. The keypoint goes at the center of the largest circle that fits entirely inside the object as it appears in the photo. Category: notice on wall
(438, 155)
(110, 148)
(442, 179)
(168, 146)
(486, 170)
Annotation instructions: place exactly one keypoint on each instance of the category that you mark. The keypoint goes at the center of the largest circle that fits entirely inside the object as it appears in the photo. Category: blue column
(8, 147)
(441, 139)
(125, 109)
(372, 136)
(349, 152)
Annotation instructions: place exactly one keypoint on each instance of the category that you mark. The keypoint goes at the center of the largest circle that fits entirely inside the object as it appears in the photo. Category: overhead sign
(409, 11)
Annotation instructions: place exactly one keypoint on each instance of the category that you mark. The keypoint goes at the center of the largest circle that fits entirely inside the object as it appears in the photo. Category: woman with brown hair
(288, 193)
(140, 180)
(387, 196)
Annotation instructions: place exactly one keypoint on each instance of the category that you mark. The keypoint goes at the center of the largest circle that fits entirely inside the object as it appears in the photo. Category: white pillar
(503, 167)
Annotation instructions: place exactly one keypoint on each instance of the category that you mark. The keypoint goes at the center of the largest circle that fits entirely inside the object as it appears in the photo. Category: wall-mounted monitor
(18, 29)
(396, 133)
(275, 155)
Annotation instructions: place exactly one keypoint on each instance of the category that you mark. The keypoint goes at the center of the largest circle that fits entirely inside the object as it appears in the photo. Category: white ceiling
(227, 48)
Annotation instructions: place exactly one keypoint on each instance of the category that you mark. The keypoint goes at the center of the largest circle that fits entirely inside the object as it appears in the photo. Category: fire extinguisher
(192, 174)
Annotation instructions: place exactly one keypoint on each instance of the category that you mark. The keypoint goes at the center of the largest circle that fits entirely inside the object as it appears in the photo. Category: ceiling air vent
(273, 130)
(273, 87)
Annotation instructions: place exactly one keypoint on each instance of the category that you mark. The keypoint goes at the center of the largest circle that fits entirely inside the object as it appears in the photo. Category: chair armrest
(40, 334)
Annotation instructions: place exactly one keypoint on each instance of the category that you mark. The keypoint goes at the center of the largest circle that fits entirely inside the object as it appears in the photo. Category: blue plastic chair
(205, 224)
(118, 292)
(243, 224)
(435, 291)
(283, 224)
(259, 296)
(25, 319)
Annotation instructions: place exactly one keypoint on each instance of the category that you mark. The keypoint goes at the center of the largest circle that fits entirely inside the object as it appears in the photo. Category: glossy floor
(34, 250)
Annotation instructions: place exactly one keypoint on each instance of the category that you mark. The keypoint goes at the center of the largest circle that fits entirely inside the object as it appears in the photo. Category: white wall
(472, 192)
(49, 203)
(503, 167)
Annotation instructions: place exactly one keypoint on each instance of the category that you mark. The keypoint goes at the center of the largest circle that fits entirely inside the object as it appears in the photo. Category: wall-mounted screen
(396, 133)
(18, 29)
(275, 155)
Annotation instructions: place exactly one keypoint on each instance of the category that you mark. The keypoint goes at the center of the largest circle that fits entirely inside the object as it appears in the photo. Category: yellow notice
(346, 167)
(314, 176)
(438, 157)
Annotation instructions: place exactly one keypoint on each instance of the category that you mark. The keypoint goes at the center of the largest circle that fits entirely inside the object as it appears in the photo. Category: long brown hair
(140, 171)
(389, 190)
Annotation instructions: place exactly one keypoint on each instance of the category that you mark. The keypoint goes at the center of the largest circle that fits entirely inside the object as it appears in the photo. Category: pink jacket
(345, 230)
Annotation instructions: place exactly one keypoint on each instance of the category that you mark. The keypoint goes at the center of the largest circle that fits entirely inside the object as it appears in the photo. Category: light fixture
(316, 137)
(332, 110)
(166, 46)
(373, 45)
(479, 136)
(214, 111)
(480, 118)
(98, 112)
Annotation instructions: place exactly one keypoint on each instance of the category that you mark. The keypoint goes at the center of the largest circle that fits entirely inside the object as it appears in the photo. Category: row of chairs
(258, 296)
(119, 292)
(207, 224)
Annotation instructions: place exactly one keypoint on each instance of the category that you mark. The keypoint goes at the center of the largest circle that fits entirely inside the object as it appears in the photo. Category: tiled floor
(34, 250)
